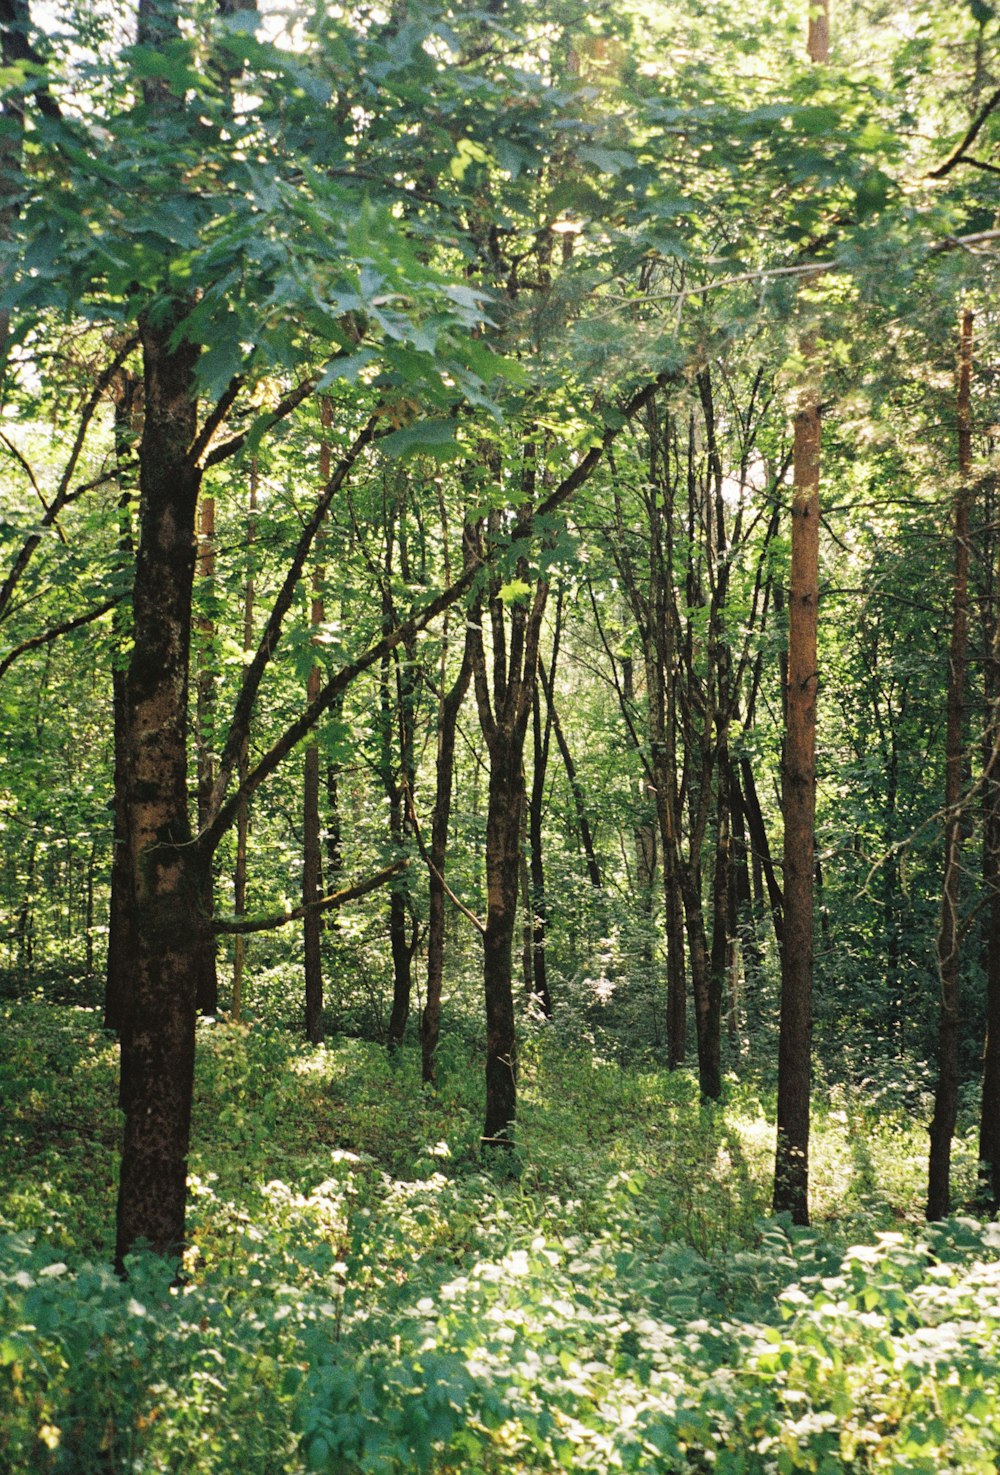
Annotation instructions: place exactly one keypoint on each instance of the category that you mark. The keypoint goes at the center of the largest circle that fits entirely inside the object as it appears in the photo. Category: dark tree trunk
(242, 765)
(503, 830)
(989, 1121)
(798, 799)
(539, 912)
(312, 864)
(949, 935)
(720, 957)
(583, 822)
(761, 851)
(448, 711)
(167, 886)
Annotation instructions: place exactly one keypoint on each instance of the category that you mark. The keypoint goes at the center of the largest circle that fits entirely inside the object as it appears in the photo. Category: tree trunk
(798, 780)
(243, 809)
(948, 947)
(207, 988)
(798, 802)
(166, 886)
(312, 865)
(119, 942)
(539, 911)
(448, 712)
(503, 829)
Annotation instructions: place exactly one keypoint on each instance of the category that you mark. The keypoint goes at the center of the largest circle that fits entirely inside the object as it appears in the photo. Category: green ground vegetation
(365, 1292)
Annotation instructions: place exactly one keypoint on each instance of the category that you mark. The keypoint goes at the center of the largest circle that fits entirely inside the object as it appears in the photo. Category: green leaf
(435, 438)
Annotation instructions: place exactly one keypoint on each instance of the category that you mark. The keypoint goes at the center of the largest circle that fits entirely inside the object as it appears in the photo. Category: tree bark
(207, 988)
(798, 801)
(449, 707)
(166, 885)
(312, 865)
(798, 781)
(243, 809)
(539, 908)
(942, 1127)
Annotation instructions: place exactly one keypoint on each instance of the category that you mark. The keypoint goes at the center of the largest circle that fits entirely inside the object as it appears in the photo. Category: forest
(499, 737)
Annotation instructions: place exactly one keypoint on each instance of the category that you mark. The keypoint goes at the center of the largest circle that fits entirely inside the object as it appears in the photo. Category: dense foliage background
(516, 302)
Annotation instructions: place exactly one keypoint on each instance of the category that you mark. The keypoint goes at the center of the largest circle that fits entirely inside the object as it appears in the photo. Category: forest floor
(365, 1292)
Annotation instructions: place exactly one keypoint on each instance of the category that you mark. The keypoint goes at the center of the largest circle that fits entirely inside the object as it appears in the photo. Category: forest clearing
(499, 737)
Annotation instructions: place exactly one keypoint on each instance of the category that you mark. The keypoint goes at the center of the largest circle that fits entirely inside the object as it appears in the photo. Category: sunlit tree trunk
(205, 689)
(798, 779)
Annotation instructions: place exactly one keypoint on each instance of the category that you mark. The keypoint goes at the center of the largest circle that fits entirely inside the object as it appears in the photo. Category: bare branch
(242, 925)
(54, 633)
(957, 155)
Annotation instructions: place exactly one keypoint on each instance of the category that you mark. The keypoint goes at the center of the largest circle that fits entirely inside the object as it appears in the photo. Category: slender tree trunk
(539, 912)
(948, 947)
(448, 712)
(503, 829)
(798, 800)
(311, 835)
(207, 990)
(989, 1121)
(719, 972)
(798, 781)
(583, 823)
(243, 809)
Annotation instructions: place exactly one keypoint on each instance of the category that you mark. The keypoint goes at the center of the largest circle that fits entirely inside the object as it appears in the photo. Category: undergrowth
(366, 1294)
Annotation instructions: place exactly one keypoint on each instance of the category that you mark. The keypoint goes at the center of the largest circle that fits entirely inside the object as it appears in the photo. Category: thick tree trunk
(798, 782)
(166, 892)
(948, 947)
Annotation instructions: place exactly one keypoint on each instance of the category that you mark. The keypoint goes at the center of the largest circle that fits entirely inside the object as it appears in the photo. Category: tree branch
(243, 925)
(296, 731)
(236, 443)
(55, 632)
(957, 154)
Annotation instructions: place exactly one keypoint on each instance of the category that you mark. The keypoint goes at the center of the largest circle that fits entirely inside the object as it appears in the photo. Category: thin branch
(957, 154)
(240, 724)
(215, 418)
(296, 731)
(425, 857)
(55, 632)
(242, 925)
(282, 409)
(63, 494)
